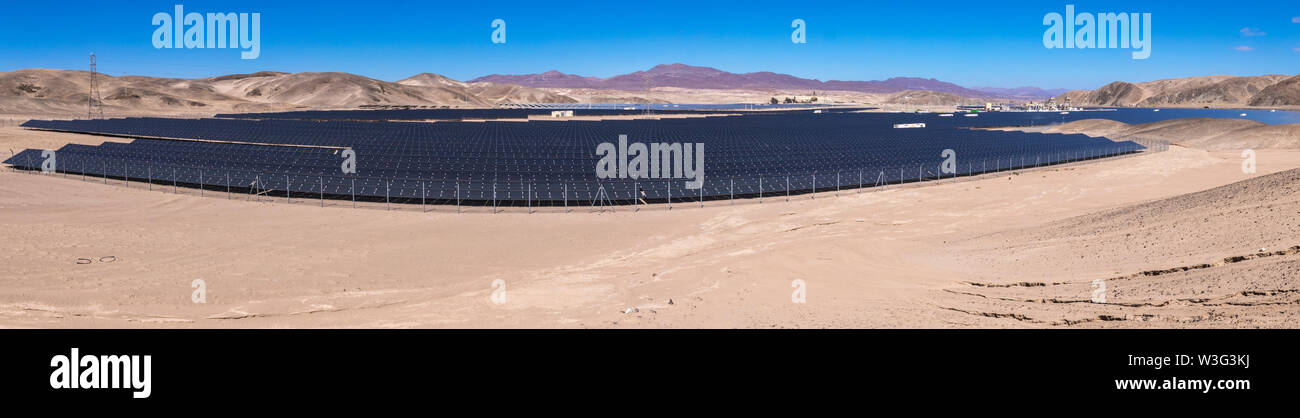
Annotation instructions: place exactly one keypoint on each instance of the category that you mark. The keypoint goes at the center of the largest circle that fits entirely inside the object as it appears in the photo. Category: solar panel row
(542, 163)
(520, 113)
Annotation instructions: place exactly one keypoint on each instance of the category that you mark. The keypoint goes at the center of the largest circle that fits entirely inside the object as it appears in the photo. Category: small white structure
(561, 113)
(908, 125)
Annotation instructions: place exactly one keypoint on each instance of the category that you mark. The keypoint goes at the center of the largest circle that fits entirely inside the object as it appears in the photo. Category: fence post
(731, 190)
(150, 168)
(701, 194)
(494, 198)
(388, 185)
(227, 186)
(173, 180)
(201, 183)
(760, 190)
(787, 187)
(322, 190)
(814, 185)
(530, 198)
(126, 174)
(670, 195)
(457, 196)
(422, 197)
(566, 197)
(636, 196)
(353, 190)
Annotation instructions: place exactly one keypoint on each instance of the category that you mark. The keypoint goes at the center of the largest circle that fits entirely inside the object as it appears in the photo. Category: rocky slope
(1212, 91)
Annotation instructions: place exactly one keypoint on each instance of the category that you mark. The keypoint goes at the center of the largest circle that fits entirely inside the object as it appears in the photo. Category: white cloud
(1252, 32)
(1295, 19)
(1244, 48)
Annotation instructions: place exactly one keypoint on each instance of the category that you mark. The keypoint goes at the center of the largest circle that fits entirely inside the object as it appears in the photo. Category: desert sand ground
(1010, 250)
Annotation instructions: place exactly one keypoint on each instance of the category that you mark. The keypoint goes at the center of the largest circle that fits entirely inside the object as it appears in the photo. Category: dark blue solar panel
(482, 162)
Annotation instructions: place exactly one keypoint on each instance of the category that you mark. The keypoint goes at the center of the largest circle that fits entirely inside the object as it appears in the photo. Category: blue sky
(970, 43)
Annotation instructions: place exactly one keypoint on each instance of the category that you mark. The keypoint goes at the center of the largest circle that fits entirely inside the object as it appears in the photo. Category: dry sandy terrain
(1199, 133)
(1011, 250)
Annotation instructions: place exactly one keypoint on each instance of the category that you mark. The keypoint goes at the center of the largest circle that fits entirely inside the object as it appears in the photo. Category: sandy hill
(62, 90)
(1216, 91)
(491, 92)
(1228, 247)
(326, 90)
(931, 98)
(65, 91)
(1200, 133)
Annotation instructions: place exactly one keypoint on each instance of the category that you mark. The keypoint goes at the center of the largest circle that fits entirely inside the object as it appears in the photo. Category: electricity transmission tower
(649, 95)
(94, 106)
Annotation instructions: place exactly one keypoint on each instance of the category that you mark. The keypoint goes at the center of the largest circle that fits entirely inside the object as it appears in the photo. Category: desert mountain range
(66, 91)
(45, 91)
(1214, 91)
(693, 77)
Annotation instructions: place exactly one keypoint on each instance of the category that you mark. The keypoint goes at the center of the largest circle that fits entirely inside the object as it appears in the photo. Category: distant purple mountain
(686, 76)
(1022, 92)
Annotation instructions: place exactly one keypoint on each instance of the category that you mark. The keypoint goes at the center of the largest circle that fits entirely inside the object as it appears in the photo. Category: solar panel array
(550, 163)
(419, 114)
(520, 113)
